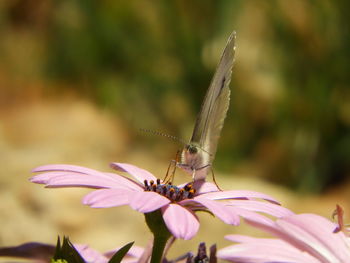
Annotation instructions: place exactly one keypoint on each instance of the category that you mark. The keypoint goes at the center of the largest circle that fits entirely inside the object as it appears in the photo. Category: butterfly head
(191, 149)
(195, 161)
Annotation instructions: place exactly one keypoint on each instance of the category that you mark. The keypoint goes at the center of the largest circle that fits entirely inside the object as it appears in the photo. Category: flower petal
(139, 174)
(202, 187)
(181, 222)
(90, 255)
(268, 225)
(226, 213)
(40, 252)
(133, 255)
(146, 202)
(310, 233)
(71, 175)
(71, 179)
(263, 250)
(315, 234)
(107, 198)
(45, 177)
(67, 168)
(258, 220)
(239, 194)
(258, 206)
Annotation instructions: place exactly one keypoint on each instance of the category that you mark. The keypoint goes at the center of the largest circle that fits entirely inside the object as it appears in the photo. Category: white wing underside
(210, 119)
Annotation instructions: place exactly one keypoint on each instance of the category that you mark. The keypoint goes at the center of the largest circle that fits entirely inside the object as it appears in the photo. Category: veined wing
(213, 111)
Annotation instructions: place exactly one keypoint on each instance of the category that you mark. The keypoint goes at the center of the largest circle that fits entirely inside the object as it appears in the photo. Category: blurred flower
(42, 253)
(308, 238)
(148, 194)
(91, 255)
(202, 254)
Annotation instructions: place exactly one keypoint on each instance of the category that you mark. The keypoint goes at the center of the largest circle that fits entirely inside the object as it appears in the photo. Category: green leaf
(119, 255)
(66, 252)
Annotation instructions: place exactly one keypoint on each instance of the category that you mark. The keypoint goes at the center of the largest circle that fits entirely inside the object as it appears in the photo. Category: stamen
(146, 185)
(188, 186)
(180, 195)
(191, 193)
(154, 187)
(164, 188)
(172, 192)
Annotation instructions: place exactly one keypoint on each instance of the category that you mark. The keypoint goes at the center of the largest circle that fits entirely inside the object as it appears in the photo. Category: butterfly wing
(210, 119)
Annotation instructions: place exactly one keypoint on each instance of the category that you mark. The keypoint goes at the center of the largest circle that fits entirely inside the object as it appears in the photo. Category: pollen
(170, 191)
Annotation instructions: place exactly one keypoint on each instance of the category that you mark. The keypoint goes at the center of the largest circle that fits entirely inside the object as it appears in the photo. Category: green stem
(160, 232)
(158, 249)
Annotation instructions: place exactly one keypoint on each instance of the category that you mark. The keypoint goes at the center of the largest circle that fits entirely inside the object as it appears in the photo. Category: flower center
(172, 192)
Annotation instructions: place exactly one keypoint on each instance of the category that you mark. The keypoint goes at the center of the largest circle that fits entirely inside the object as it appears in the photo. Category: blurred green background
(148, 64)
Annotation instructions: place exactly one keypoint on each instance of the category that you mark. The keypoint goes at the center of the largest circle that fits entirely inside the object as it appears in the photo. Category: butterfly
(198, 155)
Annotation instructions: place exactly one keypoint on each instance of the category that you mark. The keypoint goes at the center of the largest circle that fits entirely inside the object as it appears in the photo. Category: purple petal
(308, 233)
(45, 177)
(31, 250)
(67, 168)
(202, 187)
(133, 255)
(257, 206)
(239, 194)
(146, 202)
(243, 239)
(181, 222)
(65, 176)
(139, 174)
(315, 233)
(90, 255)
(267, 225)
(107, 198)
(257, 220)
(125, 181)
(222, 211)
(263, 250)
(135, 251)
(70, 179)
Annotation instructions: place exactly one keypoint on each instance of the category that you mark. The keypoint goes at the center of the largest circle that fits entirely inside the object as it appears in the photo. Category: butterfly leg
(193, 174)
(205, 166)
(168, 170)
(173, 171)
(174, 163)
(212, 172)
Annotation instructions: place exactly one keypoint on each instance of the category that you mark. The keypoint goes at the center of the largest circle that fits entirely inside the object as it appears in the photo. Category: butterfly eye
(192, 149)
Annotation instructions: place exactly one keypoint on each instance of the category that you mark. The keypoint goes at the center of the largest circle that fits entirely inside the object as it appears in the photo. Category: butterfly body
(198, 155)
(195, 160)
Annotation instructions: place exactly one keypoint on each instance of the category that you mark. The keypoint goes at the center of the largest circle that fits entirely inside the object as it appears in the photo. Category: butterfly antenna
(158, 133)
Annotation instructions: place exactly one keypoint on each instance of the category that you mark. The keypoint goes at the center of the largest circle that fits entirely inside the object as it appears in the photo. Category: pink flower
(91, 255)
(42, 253)
(147, 194)
(308, 238)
